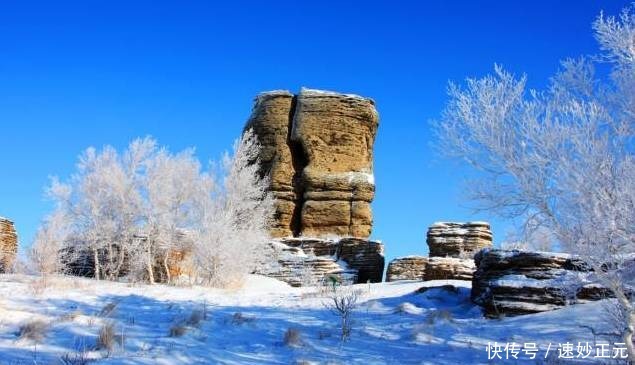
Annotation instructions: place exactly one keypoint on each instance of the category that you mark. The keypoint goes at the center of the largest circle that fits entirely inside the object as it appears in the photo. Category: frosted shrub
(343, 302)
(34, 330)
(292, 337)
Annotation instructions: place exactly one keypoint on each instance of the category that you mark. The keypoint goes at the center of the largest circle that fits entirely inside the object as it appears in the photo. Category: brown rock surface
(460, 240)
(8, 244)
(336, 133)
(512, 282)
(407, 268)
(318, 148)
(269, 121)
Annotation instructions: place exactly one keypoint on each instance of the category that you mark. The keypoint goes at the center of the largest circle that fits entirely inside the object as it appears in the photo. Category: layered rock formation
(461, 240)
(407, 268)
(318, 150)
(452, 247)
(513, 282)
(302, 262)
(8, 244)
(364, 256)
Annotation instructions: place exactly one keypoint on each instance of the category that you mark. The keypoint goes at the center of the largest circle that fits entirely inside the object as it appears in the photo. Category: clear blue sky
(90, 73)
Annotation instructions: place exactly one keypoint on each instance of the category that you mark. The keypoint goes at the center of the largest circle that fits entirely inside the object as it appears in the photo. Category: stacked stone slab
(452, 239)
(449, 268)
(452, 246)
(512, 282)
(8, 244)
(317, 148)
(407, 268)
(302, 262)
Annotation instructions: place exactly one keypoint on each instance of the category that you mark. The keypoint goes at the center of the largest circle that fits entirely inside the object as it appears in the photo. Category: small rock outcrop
(407, 268)
(364, 256)
(460, 240)
(8, 244)
(308, 262)
(449, 268)
(512, 282)
(452, 246)
(317, 147)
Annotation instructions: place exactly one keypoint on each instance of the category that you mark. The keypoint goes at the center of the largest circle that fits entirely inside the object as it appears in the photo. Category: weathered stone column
(8, 244)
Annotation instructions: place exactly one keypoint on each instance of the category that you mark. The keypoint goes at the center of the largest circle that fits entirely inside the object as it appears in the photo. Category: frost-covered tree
(560, 159)
(174, 187)
(101, 203)
(130, 212)
(235, 218)
(46, 254)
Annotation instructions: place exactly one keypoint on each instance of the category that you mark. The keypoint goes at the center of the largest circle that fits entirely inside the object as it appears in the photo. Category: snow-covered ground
(393, 324)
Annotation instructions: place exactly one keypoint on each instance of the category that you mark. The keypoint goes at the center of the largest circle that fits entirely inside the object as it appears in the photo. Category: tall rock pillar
(317, 147)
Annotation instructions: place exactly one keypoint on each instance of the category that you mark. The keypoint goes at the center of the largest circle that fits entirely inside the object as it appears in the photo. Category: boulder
(513, 282)
(449, 268)
(407, 268)
(8, 244)
(460, 240)
(317, 147)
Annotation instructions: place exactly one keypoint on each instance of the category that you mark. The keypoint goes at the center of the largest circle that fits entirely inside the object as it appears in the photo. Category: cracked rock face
(318, 148)
(8, 244)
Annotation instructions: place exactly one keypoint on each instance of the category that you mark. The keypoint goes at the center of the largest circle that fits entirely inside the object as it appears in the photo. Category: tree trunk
(120, 261)
(96, 263)
(627, 337)
(626, 307)
(150, 273)
(166, 267)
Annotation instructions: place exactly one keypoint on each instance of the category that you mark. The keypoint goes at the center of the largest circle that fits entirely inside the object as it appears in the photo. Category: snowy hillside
(171, 325)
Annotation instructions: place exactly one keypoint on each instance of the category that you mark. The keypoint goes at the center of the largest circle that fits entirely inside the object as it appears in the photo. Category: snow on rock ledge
(308, 261)
(512, 282)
